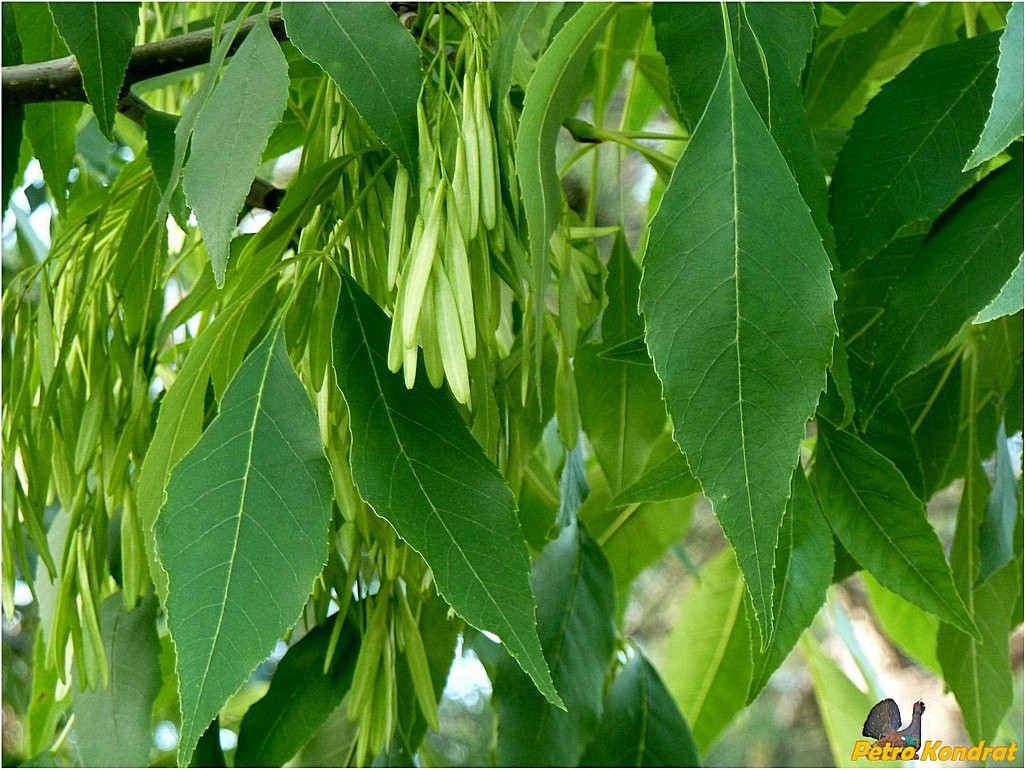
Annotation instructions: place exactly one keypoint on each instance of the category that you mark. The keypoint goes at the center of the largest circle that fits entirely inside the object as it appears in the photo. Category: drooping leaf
(251, 499)
(641, 725)
(978, 670)
(160, 148)
(902, 160)
(842, 706)
(180, 420)
(882, 524)
(576, 601)
(373, 60)
(101, 36)
(709, 672)
(114, 725)
(301, 697)
(230, 134)
(549, 98)
(418, 466)
(998, 529)
(49, 126)
(804, 571)
(621, 404)
(1005, 121)
(669, 479)
(911, 628)
(738, 304)
(960, 268)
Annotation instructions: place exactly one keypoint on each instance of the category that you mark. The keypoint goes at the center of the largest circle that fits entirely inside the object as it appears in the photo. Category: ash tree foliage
(349, 328)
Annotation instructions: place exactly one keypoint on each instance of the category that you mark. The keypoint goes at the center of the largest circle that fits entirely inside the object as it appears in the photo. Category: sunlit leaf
(709, 672)
(1004, 123)
(418, 466)
(250, 500)
(738, 305)
(230, 134)
(101, 36)
(912, 628)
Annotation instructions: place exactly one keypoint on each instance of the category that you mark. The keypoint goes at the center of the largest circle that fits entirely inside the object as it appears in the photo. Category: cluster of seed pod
(446, 292)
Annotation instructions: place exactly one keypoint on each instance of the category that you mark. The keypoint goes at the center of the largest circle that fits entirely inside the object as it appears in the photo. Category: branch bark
(60, 80)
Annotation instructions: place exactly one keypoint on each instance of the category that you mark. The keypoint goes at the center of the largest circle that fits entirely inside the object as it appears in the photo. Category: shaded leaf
(230, 134)
(160, 148)
(301, 697)
(101, 36)
(669, 479)
(1005, 121)
(621, 404)
(251, 499)
(804, 570)
(14, 114)
(49, 126)
(374, 61)
(575, 593)
(114, 724)
(903, 158)
(711, 666)
(208, 751)
(417, 465)
(960, 268)
(738, 303)
(882, 524)
(550, 96)
(641, 725)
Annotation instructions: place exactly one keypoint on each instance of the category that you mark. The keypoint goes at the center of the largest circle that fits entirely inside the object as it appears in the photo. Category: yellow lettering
(975, 752)
(860, 750)
(1000, 753)
(958, 753)
(929, 752)
(1011, 751)
(874, 753)
(987, 751)
(907, 753)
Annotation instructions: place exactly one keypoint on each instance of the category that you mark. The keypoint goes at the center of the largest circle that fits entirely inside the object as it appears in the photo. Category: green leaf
(641, 725)
(301, 697)
(804, 572)
(1009, 300)
(550, 97)
(1004, 123)
(249, 501)
(114, 725)
(710, 668)
(208, 751)
(576, 601)
(621, 405)
(374, 61)
(978, 671)
(101, 36)
(417, 465)
(49, 126)
(842, 705)
(912, 629)
(998, 528)
(160, 148)
(960, 268)
(882, 524)
(903, 158)
(669, 479)
(231, 132)
(738, 305)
